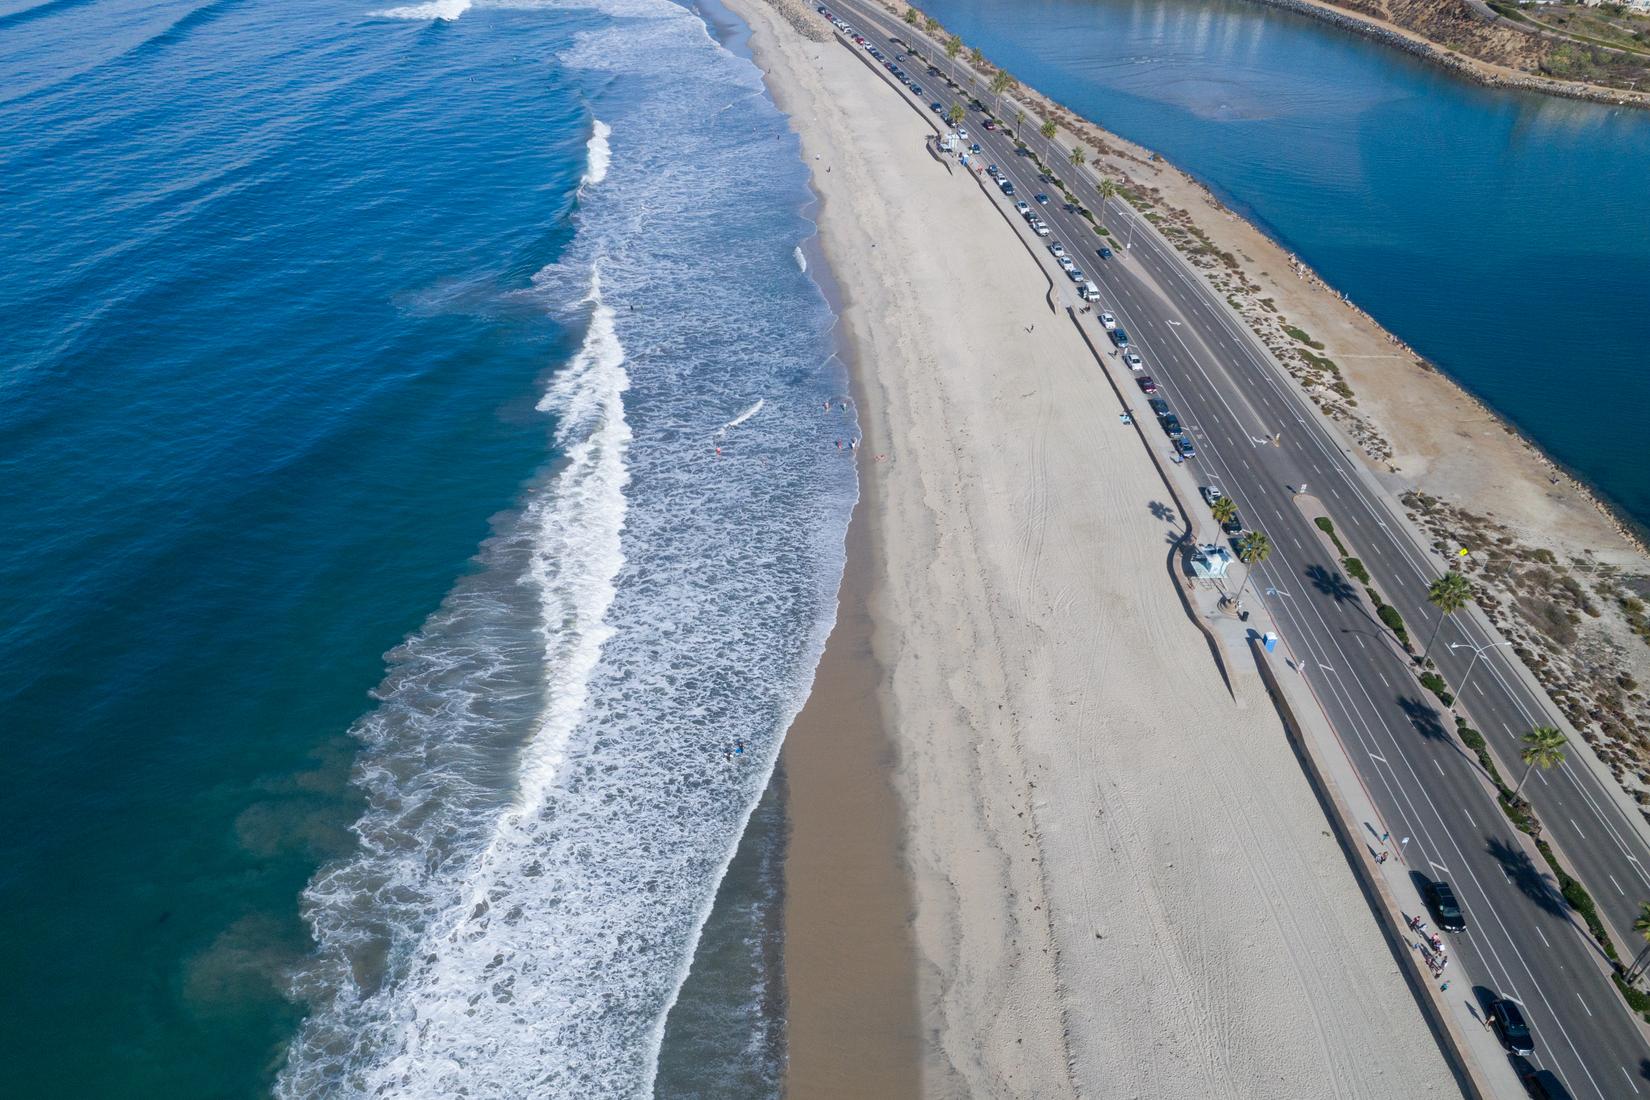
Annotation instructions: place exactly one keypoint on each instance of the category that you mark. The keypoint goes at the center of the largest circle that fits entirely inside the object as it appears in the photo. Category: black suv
(1509, 1024)
(1444, 906)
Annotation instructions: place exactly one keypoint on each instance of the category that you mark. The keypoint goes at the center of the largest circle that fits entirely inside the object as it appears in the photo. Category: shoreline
(1061, 834)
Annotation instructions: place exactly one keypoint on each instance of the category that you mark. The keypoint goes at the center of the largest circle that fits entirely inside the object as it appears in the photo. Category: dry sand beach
(1120, 883)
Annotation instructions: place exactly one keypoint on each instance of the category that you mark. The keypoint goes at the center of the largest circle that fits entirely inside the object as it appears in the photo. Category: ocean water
(1504, 235)
(423, 515)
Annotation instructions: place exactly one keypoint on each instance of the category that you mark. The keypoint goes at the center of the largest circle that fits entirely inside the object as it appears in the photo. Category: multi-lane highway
(1523, 941)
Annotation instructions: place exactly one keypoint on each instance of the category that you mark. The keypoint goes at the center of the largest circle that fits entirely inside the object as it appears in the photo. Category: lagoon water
(1505, 236)
(418, 485)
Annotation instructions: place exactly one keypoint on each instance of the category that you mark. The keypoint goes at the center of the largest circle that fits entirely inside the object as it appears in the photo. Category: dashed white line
(1614, 883)
(1584, 1007)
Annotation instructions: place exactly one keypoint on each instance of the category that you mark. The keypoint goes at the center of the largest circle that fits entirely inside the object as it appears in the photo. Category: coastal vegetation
(1301, 336)
(1604, 46)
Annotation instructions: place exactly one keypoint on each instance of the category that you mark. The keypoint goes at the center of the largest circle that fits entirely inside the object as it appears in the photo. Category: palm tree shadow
(1423, 718)
(1331, 584)
(1161, 511)
(1533, 882)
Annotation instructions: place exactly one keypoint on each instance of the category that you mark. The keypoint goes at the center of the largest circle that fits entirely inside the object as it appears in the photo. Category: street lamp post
(1477, 652)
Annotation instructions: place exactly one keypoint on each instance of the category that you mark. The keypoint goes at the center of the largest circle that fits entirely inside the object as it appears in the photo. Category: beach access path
(1122, 883)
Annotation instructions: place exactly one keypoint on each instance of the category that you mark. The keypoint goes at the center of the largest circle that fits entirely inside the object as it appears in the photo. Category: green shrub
(1481, 749)
(1355, 568)
(1637, 999)
(1302, 337)
(1328, 527)
(1394, 622)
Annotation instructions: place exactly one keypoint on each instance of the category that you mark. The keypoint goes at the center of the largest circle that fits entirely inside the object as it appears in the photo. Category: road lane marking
(1584, 1007)
(1439, 766)
(1578, 828)
(1377, 756)
(1614, 883)
(1542, 934)
(1439, 867)
(1629, 1077)
(1469, 818)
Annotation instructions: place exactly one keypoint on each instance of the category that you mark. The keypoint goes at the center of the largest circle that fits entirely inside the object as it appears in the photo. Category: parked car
(1065, 264)
(975, 148)
(1132, 358)
(1057, 248)
(1119, 336)
(1441, 899)
(1076, 275)
(1146, 384)
(1171, 424)
(1183, 443)
(916, 89)
(1108, 322)
(1210, 494)
(935, 107)
(992, 171)
(1024, 208)
(1509, 1024)
(1007, 186)
(1159, 406)
(1039, 227)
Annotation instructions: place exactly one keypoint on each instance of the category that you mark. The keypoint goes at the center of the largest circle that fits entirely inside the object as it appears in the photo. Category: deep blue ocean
(418, 486)
(1503, 235)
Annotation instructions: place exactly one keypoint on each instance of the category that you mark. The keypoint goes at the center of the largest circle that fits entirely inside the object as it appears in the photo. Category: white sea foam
(444, 10)
(742, 417)
(801, 259)
(598, 154)
(552, 799)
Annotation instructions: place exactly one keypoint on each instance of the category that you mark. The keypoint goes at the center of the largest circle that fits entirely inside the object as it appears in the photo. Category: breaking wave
(444, 10)
(597, 154)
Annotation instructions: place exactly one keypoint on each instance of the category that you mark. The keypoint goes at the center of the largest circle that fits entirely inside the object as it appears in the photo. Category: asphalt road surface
(1522, 940)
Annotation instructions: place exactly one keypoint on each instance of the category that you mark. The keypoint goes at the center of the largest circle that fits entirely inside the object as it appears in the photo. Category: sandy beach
(1120, 882)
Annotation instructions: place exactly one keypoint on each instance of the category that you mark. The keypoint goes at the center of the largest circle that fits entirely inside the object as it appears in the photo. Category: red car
(1146, 384)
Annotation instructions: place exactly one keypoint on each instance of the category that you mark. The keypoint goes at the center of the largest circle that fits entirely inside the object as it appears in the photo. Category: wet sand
(849, 960)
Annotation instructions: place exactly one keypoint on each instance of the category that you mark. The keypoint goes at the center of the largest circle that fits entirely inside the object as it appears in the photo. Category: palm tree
(1543, 748)
(1449, 594)
(975, 57)
(1107, 190)
(1252, 551)
(1077, 155)
(956, 114)
(930, 24)
(1224, 509)
(1048, 129)
(953, 46)
(999, 84)
(1019, 119)
(1641, 925)
(911, 16)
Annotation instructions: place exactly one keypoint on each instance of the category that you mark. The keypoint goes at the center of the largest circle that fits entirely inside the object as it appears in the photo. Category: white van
(1089, 292)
